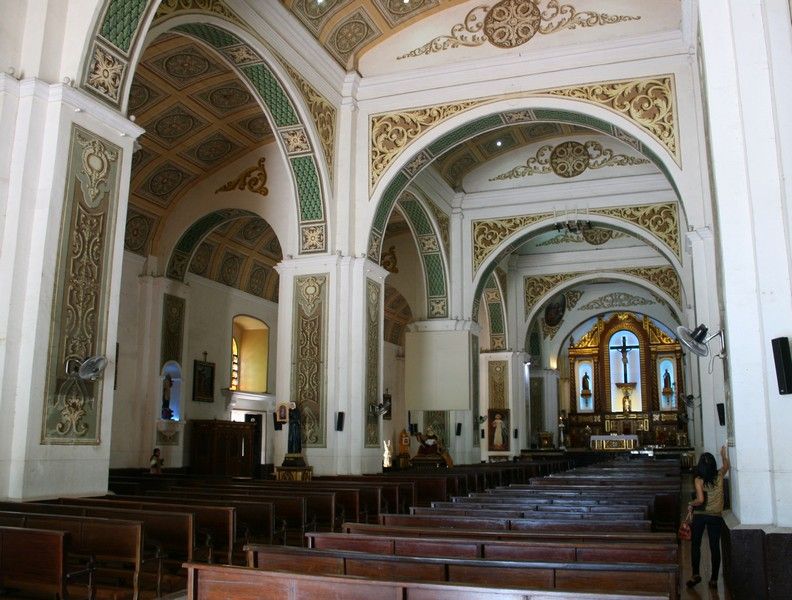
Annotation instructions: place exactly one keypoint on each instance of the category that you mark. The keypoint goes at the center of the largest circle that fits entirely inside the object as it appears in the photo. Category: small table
(293, 473)
(614, 442)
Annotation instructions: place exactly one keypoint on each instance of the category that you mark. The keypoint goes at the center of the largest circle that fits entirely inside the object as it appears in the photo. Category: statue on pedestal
(294, 457)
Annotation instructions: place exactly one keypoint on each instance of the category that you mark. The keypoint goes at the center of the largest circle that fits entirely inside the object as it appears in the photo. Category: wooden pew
(591, 577)
(289, 512)
(434, 531)
(518, 513)
(558, 550)
(461, 522)
(214, 526)
(93, 542)
(47, 571)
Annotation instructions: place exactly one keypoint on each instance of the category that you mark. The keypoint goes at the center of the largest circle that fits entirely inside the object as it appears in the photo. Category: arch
(430, 248)
(576, 279)
(118, 42)
(499, 114)
(188, 243)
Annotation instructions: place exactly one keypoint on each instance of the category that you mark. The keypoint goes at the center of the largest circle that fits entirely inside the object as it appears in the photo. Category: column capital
(445, 325)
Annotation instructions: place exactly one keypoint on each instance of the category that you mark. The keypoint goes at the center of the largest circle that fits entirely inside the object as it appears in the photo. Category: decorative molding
(438, 421)
(391, 133)
(511, 23)
(659, 220)
(547, 331)
(373, 341)
(489, 233)
(650, 103)
(173, 309)
(309, 361)
(498, 383)
(252, 179)
(475, 392)
(536, 287)
(389, 261)
(664, 278)
(169, 8)
(570, 159)
(572, 298)
(72, 406)
(322, 112)
(444, 222)
(615, 300)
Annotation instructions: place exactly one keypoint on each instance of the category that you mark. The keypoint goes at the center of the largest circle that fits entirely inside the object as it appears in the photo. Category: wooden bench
(517, 524)
(289, 512)
(47, 572)
(519, 513)
(94, 543)
(214, 526)
(209, 582)
(591, 577)
(558, 550)
(434, 531)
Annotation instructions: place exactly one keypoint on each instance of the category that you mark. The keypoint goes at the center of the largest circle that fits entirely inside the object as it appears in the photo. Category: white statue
(387, 456)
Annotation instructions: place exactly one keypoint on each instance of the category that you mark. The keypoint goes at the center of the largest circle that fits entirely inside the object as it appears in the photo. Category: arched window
(234, 365)
(625, 372)
(249, 354)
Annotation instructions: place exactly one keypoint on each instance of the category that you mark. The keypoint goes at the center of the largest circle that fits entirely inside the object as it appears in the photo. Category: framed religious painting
(498, 425)
(203, 381)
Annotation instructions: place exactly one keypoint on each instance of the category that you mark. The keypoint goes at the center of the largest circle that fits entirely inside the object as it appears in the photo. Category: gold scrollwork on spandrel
(489, 233)
(661, 220)
(648, 102)
(535, 287)
(254, 179)
(664, 278)
(169, 7)
(392, 132)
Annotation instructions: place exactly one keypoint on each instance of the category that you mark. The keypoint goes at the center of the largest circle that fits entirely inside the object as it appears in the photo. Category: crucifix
(624, 349)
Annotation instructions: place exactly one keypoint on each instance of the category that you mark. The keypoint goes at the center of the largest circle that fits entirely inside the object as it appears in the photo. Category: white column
(708, 385)
(747, 61)
(456, 263)
(36, 121)
(344, 343)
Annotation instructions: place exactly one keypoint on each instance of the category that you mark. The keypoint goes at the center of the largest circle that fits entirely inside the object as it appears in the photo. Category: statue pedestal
(294, 460)
(294, 473)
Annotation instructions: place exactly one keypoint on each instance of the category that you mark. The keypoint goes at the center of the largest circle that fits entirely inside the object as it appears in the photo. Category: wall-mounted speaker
(516, 433)
(482, 434)
(459, 428)
(340, 421)
(783, 364)
(721, 407)
(413, 428)
(278, 425)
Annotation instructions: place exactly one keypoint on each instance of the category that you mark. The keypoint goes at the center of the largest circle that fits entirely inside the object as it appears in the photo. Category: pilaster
(67, 153)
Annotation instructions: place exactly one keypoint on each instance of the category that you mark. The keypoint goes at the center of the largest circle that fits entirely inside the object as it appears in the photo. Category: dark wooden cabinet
(222, 448)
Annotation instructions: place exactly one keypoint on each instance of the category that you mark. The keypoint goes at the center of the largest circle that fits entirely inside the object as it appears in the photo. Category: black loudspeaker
(783, 364)
(340, 421)
(459, 429)
(278, 424)
(721, 407)
(482, 434)
(413, 428)
(516, 433)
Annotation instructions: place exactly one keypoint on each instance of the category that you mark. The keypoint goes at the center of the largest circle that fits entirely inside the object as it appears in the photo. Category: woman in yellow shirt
(709, 499)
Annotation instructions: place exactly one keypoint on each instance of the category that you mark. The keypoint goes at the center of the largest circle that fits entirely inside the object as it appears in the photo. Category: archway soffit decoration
(430, 248)
(649, 103)
(107, 74)
(496, 312)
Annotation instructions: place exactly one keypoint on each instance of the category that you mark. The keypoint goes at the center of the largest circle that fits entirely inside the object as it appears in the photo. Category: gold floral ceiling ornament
(489, 233)
(512, 23)
(252, 179)
(168, 8)
(570, 159)
(536, 287)
(661, 220)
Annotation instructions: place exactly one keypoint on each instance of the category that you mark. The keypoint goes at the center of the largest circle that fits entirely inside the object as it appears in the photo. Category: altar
(614, 442)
